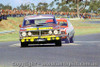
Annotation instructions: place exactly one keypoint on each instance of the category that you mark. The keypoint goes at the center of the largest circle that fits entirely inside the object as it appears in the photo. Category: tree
(1, 5)
(74, 5)
(51, 4)
(94, 5)
(33, 6)
(25, 7)
(42, 6)
(62, 7)
(18, 8)
(5, 6)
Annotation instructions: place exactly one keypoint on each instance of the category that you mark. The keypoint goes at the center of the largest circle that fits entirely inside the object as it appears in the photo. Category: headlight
(50, 32)
(55, 32)
(29, 33)
(23, 33)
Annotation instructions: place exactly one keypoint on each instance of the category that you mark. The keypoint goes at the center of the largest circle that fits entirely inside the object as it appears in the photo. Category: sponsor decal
(43, 28)
(31, 29)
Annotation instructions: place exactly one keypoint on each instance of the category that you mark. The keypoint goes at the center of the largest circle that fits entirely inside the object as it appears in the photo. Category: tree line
(64, 6)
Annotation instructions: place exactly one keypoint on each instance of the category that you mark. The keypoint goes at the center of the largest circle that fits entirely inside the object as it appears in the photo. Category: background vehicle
(35, 31)
(66, 29)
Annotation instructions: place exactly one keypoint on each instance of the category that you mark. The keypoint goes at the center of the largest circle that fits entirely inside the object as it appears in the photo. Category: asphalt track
(92, 22)
(85, 50)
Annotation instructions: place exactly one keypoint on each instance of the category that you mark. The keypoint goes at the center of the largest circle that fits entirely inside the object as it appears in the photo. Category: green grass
(10, 37)
(86, 31)
(85, 28)
(13, 23)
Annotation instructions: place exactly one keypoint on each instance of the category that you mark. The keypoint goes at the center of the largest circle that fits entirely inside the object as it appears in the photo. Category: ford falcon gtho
(35, 30)
(66, 29)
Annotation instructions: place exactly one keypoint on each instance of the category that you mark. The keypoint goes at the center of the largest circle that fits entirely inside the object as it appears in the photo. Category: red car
(66, 29)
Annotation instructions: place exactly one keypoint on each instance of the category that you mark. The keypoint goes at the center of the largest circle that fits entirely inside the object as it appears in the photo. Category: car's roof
(62, 19)
(39, 17)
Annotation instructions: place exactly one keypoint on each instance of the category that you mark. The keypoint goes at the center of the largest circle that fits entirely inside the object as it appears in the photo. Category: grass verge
(85, 28)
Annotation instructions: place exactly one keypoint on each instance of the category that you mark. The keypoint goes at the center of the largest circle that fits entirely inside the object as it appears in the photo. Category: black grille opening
(35, 32)
(44, 32)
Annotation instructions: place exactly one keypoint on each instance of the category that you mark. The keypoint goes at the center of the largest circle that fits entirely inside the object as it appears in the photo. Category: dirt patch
(5, 24)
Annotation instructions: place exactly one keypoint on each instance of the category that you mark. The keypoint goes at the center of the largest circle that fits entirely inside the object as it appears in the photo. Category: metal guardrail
(7, 31)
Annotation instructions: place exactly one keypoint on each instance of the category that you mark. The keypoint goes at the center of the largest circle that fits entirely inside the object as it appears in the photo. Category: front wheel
(72, 39)
(67, 40)
(58, 43)
(24, 44)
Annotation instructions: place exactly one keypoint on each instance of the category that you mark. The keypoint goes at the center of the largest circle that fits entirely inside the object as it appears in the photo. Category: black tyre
(67, 40)
(24, 44)
(72, 39)
(58, 43)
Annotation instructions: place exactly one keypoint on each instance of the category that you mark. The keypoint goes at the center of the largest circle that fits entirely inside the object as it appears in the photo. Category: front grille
(40, 33)
(34, 33)
(44, 32)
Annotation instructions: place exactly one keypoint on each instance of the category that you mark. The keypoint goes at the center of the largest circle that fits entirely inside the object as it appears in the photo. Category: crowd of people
(20, 13)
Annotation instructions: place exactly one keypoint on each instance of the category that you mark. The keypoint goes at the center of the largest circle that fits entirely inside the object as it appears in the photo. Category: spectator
(0, 17)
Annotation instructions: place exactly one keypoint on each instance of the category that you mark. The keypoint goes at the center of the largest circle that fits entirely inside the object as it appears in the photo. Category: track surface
(93, 22)
(86, 49)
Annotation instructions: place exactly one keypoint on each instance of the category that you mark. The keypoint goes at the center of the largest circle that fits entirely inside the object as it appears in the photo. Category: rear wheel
(24, 44)
(58, 43)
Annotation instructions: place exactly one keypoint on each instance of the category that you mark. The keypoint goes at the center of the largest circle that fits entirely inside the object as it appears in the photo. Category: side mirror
(20, 25)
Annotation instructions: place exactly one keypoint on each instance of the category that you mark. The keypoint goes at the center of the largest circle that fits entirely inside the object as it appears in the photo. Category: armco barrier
(7, 31)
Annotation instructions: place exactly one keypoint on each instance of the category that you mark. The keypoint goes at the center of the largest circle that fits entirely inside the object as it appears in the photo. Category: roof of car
(38, 17)
(62, 19)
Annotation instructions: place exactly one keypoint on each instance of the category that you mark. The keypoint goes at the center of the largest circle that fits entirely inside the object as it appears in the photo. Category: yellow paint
(53, 38)
(45, 28)
(48, 38)
(22, 40)
(57, 38)
(32, 40)
(35, 37)
(31, 29)
(30, 37)
(26, 39)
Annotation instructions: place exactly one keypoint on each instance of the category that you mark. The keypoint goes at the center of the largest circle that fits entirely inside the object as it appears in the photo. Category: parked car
(35, 30)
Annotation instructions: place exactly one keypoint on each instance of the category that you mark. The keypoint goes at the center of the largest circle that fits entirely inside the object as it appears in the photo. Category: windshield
(38, 21)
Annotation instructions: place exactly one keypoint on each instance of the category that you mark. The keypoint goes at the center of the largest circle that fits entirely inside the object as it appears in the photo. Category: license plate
(40, 40)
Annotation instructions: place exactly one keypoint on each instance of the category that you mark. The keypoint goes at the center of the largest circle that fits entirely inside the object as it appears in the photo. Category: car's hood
(40, 26)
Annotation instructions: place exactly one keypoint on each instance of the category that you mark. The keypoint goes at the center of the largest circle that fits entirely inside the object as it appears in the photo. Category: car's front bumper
(42, 39)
